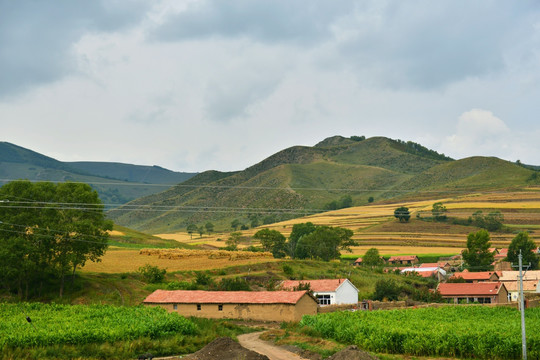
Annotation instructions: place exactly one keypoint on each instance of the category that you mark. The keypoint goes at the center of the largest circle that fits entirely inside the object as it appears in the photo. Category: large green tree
(297, 232)
(324, 243)
(402, 214)
(372, 258)
(48, 230)
(273, 241)
(528, 250)
(477, 254)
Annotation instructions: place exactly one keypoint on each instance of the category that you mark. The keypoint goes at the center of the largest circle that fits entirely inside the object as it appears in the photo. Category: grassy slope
(295, 178)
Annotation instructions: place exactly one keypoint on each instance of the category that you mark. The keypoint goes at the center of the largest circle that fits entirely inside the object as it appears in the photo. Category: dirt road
(252, 342)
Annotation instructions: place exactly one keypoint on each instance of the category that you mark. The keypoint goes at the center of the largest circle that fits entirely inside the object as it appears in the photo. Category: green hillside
(123, 183)
(294, 182)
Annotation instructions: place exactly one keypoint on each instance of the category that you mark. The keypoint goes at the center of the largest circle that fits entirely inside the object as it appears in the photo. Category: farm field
(122, 261)
(375, 226)
(450, 331)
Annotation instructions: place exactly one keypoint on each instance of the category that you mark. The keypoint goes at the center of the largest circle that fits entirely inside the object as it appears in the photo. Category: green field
(454, 331)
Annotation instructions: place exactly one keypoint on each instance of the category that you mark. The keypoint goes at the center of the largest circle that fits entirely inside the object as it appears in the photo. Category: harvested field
(121, 261)
(405, 250)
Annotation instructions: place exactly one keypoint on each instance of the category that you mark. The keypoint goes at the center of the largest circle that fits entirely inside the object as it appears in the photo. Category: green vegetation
(402, 214)
(50, 237)
(477, 255)
(273, 241)
(102, 332)
(372, 258)
(323, 242)
(469, 332)
(522, 243)
(152, 274)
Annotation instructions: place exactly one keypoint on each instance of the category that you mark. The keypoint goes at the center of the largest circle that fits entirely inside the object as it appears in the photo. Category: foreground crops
(457, 331)
(66, 324)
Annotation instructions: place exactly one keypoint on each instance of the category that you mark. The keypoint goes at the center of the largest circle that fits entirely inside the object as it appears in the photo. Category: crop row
(464, 331)
(80, 324)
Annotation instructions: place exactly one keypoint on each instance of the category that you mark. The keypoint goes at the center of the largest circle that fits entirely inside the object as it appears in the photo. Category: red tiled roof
(481, 275)
(403, 258)
(315, 285)
(223, 297)
(359, 260)
(481, 288)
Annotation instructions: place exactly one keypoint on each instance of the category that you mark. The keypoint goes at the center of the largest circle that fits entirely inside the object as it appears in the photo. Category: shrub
(152, 274)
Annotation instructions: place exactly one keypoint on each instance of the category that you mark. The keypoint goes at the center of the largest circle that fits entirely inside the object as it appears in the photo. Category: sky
(194, 85)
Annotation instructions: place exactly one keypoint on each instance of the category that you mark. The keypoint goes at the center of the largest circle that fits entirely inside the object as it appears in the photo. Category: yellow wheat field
(121, 261)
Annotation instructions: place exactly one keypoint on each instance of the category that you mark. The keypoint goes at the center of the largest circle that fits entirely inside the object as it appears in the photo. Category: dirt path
(252, 342)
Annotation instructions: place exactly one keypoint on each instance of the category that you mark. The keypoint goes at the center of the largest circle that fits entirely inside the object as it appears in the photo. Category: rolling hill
(300, 180)
(116, 183)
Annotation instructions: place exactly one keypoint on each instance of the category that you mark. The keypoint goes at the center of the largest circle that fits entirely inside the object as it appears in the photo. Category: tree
(152, 274)
(402, 213)
(370, 199)
(372, 258)
(233, 240)
(209, 227)
(298, 230)
(200, 230)
(438, 211)
(386, 289)
(528, 250)
(324, 243)
(492, 222)
(191, 228)
(273, 241)
(477, 255)
(57, 229)
(235, 224)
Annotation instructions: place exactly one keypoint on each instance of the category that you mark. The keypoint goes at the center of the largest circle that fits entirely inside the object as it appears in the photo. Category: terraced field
(375, 225)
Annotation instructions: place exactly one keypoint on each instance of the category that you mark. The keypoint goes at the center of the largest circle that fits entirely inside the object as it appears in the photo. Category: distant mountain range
(116, 183)
(302, 180)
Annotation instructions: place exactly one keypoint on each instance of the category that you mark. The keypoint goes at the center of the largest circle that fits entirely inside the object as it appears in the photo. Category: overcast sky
(198, 85)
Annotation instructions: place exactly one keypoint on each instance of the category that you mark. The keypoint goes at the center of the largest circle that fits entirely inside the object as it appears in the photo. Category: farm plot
(454, 331)
(54, 324)
(120, 261)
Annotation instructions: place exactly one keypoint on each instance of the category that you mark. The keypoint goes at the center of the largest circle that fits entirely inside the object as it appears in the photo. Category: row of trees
(208, 228)
(47, 231)
(479, 257)
(307, 241)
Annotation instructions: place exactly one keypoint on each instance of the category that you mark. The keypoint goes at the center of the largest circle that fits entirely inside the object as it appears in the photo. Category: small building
(249, 305)
(328, 291)
(445, 265)
(475, 277)
(403, 260)
(482, 292)
(426, 272)
(514, 275)
(358, 262)
(529, 287)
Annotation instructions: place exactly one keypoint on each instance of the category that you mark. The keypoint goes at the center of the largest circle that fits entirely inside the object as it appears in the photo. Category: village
(296, 298)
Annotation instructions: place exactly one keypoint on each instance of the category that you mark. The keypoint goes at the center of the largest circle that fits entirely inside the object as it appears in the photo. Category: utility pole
(522, 306)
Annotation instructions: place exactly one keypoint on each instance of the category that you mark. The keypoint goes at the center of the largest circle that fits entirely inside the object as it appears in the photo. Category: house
(426, 272)
(249, 305)
(328, 291)
(358, 262)
(529, 287)
(403, 260)
(514, 275)
(482, 292)
(475, 277)
(445, 265)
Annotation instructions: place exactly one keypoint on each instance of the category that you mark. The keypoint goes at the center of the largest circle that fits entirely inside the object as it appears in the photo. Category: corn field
(454, 331)
(79, 324)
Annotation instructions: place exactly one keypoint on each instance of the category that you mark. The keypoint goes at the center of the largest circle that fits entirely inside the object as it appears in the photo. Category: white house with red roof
(328, 291)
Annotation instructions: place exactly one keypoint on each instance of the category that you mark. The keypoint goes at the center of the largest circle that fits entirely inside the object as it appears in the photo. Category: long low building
(482, 292)
(249, 305)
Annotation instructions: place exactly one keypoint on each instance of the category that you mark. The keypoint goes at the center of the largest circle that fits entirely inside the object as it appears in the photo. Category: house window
(220, 307)
(198, 307)
(323, 299)
(175, 306)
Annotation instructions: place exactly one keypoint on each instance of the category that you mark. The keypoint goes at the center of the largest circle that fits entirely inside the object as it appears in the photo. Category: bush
(236, 284)
(152, 274)
(288, 271)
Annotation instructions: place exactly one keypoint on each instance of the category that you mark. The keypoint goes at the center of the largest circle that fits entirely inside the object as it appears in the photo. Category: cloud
(36, 37)
(478, 132)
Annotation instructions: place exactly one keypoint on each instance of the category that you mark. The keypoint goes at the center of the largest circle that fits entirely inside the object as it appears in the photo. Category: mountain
(116, 183)
(297, 181)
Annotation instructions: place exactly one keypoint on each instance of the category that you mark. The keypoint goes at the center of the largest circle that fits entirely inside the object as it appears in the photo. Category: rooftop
(223, 297)
(467, 289)
(323, 285)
